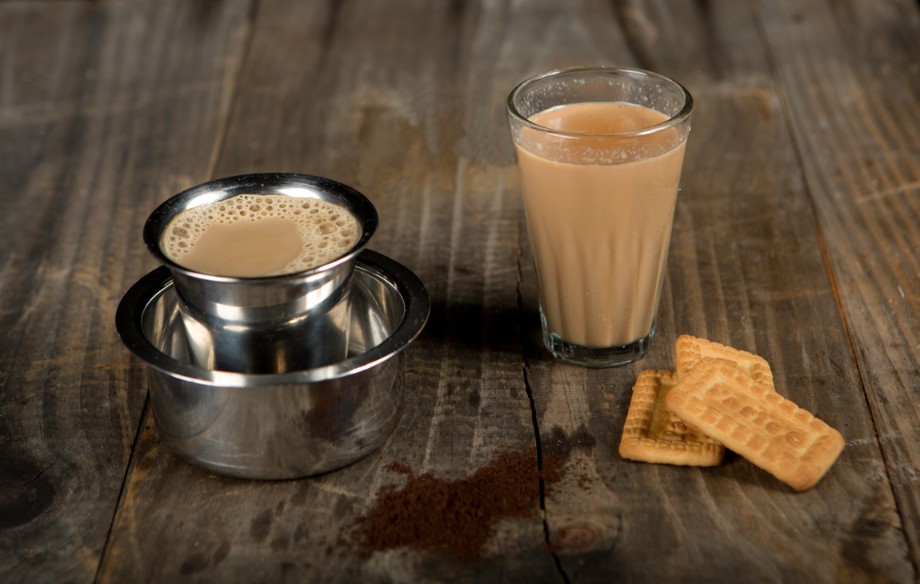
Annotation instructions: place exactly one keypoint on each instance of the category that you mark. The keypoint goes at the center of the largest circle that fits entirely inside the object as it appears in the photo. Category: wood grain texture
(795, 238)
(101, 115)
(354, 111)
(746, 269)
(850, 75)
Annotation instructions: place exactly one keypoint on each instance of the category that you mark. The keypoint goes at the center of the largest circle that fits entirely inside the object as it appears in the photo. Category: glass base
(598, 357)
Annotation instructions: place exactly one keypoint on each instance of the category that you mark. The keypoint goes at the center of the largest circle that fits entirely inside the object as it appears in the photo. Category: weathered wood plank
(747, 269)
(104, 108)
(406, 103)
(851, 77)
(402, 102)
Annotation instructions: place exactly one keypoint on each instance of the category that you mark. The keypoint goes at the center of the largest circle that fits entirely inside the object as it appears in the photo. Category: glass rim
(672, 121)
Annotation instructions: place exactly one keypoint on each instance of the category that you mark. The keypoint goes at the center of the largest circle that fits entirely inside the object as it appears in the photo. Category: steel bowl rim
(416, 308)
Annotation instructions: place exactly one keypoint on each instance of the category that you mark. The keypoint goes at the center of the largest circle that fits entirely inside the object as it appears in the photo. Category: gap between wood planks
(525, 364)
(122, 493)
(541, 482)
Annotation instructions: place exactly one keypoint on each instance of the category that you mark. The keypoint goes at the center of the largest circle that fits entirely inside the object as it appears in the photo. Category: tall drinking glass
(600, 151)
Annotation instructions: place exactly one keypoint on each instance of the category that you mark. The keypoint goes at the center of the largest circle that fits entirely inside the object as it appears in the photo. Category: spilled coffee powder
(460, 515)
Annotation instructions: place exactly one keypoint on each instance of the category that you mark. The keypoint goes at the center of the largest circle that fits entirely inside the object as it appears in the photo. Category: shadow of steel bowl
(279, 425)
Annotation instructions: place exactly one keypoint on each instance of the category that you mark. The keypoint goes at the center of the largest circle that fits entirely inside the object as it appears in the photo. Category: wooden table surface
(797, 237)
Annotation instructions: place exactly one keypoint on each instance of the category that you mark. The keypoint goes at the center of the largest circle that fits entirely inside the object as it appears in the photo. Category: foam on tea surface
(260, 235)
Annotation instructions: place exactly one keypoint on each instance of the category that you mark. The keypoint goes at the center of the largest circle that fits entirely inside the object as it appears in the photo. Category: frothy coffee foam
(260, 235)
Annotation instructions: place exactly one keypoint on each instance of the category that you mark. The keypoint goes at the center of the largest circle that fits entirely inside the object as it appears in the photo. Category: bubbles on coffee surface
(327, 231)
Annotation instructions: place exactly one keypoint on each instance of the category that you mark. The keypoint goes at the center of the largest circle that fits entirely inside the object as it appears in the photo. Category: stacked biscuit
(720, 397)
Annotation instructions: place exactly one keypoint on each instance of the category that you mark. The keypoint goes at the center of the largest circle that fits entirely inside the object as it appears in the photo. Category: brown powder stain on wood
(458, 516)
(399, 468)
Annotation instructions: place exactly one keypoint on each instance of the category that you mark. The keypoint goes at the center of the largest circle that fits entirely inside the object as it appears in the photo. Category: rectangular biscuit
(720, 400)
(690, 350)
(653, 434)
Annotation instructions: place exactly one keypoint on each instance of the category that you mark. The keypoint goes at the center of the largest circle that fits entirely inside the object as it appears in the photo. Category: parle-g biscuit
(750, 418)
(653, 434)
(689, 351)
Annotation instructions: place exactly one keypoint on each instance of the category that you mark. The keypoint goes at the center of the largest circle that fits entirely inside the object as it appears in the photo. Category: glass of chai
(600, 151)
(262, 267)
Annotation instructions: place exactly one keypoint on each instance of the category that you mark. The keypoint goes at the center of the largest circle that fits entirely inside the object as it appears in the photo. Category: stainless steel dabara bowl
(249, 325)
(279, 425)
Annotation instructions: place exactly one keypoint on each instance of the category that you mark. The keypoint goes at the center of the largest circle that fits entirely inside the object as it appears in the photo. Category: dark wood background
(797, 236)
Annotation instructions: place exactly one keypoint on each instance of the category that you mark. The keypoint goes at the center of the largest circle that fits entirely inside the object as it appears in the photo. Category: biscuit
(653, 434)
(690, 350)
(720, 400)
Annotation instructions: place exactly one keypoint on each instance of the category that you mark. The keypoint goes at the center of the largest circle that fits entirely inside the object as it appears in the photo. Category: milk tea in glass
(600, 151)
